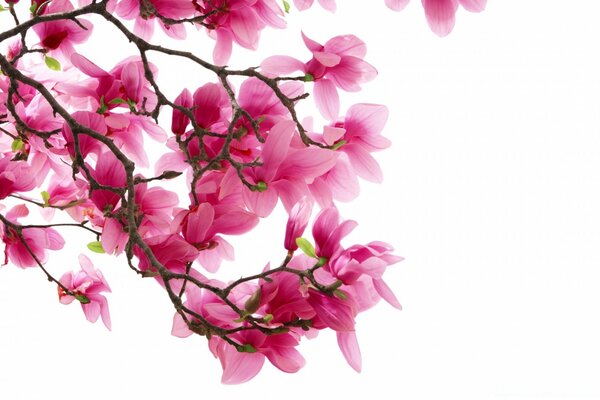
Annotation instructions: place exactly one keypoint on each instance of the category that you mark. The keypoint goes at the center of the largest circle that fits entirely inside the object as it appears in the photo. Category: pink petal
(180, 328)
(440, 15)
(260, 203)
(346, 45)
(473, 5)
(396, 5)
(364, 164)
(329, 5)
(223, 47)
(303, 4)
(350, 349)
(386, 293)
(281, 65)
(113, 238)
(327, 59)
(366, 119)
(308, 163)
(87, 67)
(327, 99)
(311, 44)
(244, 26)
(287, 359)
(199, 222)
(332, 134)
(336, 313)
(239, 367)
(276, 147)
(342, 181)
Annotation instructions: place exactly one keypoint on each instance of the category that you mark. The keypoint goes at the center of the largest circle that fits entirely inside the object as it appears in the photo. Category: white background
(491, 194)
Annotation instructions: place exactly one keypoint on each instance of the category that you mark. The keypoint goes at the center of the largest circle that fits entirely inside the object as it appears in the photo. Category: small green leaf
(2, 8)
(339, 294)
(246, 348)
(103, 107)
(306, 247)
(33, 8)
(267, 318)
(261, 186)
(309, 78)
(338, 145)
(322, 261)
(17, 145)
(132, 105)
(96, 247)
(52, 63)
(286, 7)
(83, 299)
(46, 198)
(117, 100)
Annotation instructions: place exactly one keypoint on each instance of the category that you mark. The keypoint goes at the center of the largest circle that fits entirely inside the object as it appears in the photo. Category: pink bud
(297, 222)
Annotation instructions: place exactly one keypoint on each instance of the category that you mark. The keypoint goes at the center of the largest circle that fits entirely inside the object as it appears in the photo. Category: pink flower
(357, 135)
(332, 311)
(238, 21)
(38, 241)
(87, 285)
(61, 35)
(328, 232)
(153, 208)
(338, 63)
(284, 171)
(240, 367)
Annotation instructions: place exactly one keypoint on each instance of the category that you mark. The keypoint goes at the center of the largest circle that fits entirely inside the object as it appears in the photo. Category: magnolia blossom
(60, 36)
(336, 64)
(86, 286)
(30, 248)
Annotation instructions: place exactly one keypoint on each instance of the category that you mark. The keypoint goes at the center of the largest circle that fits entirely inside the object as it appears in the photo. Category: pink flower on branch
(336, 64)
(87, 286)
(27, 246)
(60, 36)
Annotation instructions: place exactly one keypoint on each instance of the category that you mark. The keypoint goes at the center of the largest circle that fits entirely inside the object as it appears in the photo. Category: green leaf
(246, 348)
(103, 107)
(306, 247)
(286, 7)
(338, 145)
(2, 8)
(33, 8)
(339, 294)
(52, 63)
(96, 247)
(46, 197)
(309, 78)
(83, 299)
(17, 145)
(267, 318)
(261, 186)
(117, 100)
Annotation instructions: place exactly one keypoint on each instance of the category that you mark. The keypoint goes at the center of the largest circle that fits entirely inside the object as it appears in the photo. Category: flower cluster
(73, 142)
